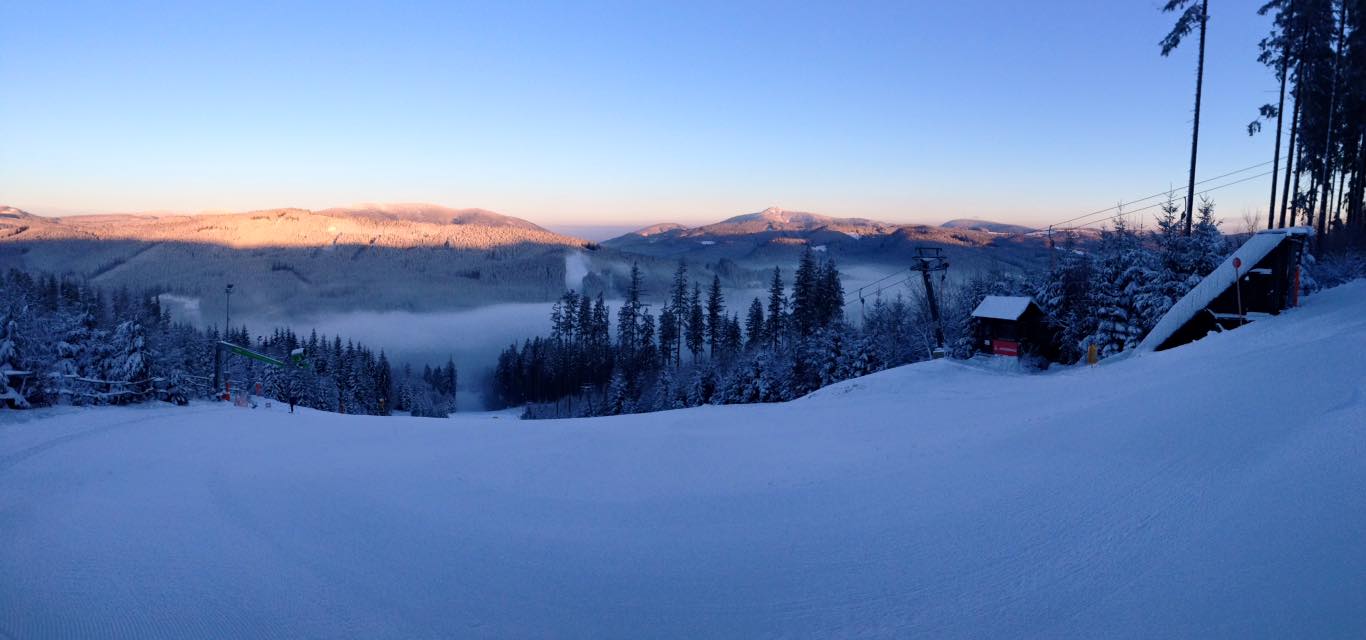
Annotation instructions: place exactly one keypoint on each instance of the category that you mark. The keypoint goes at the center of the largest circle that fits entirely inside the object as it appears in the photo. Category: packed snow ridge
(1212, 490)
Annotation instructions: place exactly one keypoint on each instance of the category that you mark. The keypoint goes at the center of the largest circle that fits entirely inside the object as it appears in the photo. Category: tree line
(65, 341)
(1316, 50)
(697, 351)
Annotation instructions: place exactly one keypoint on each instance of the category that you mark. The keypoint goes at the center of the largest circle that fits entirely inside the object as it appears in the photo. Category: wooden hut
(1013, 326)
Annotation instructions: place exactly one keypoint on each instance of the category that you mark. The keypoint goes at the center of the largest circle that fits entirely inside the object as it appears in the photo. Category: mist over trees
(64, 341)
(798, 339)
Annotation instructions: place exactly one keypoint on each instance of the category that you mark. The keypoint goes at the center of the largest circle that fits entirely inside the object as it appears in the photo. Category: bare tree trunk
(1290, 161)
(1276, 157)
(1354, 201)
(1313, 199)
(1195, 128)
(1328, 154)
(1341, 196)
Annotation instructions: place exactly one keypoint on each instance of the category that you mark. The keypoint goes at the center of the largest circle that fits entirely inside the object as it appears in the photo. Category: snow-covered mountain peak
(422, 212)
(13, 212)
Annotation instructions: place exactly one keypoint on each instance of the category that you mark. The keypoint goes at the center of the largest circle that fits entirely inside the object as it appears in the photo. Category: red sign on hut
(1003, 347)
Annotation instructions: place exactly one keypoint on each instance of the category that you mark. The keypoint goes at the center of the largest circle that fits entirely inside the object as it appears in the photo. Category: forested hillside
(291, 261)
(778, 236)
(63, 341)
(703, 349)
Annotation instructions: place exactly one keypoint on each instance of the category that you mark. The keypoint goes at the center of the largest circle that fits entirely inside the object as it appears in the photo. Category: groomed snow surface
(1213, 490)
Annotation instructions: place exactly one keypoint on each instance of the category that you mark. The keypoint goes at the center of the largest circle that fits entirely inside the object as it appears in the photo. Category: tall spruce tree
(805, 292)
(754, 325)
(716, 315)
(678, 303)
(775, 323)
(697, 323)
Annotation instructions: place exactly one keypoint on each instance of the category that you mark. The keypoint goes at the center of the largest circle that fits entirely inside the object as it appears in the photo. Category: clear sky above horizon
(622, 113)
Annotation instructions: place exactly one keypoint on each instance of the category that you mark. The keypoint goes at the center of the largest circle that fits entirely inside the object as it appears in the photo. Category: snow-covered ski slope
(1214, 490)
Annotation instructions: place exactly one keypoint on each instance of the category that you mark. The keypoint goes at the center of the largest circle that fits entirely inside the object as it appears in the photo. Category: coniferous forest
(699, 349)
(63, 341)
(1316, 51)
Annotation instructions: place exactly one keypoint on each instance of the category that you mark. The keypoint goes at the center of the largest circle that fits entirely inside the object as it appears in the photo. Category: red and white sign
(1005, 347)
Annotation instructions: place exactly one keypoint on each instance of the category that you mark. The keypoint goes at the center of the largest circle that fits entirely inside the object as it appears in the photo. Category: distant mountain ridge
(987, 225)
(775, 234)
(770, 220)
(416, 256)
(429, 214)
(403, 225)
(384, 257)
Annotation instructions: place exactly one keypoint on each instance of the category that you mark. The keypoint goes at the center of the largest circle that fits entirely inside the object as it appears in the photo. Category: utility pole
(932, 259)
(218, 348)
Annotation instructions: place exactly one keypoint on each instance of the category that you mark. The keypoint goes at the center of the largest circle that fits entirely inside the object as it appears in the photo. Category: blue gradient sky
(622, 113)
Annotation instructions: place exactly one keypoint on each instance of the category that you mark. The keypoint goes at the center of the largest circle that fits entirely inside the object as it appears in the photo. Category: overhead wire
(1128, 212)
(1122, 211)
(1165, 192)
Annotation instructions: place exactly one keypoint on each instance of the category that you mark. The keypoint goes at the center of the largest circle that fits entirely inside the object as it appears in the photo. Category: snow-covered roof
(1217, 282)
(1002, 307)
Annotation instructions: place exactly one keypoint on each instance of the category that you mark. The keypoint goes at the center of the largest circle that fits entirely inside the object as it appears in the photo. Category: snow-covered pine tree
(1172, 276)
(716, 316)
(665, 392)
(129, 362)
(732, 340)
(697, 323)
(1208, 245)
(754, 325)
(616, 395)
(1065, 296)
(805, 304)
(860, 358)
(668, 336)
(678, 305)
(628, 318)
(384, 385)
(830, 294)
(1124, 270)
(702, 387)
(647, 353)
(10, 397)
(827, 354)
(775, 323)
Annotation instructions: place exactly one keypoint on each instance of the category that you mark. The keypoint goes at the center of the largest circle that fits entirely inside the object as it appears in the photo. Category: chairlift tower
(928, 260)
(218, 350)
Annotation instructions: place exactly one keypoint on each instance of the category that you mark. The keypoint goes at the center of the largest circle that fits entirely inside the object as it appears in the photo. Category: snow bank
(1188, 493)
